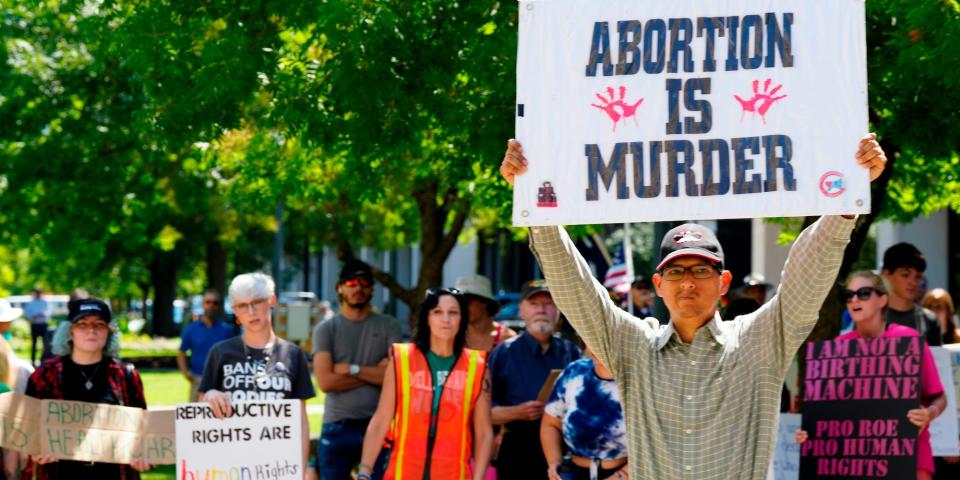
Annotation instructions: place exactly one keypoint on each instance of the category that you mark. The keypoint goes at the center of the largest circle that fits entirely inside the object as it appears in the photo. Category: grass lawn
(168, 387)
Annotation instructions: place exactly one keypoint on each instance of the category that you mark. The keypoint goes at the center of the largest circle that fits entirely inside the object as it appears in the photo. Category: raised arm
(581, 298)
(811, 270)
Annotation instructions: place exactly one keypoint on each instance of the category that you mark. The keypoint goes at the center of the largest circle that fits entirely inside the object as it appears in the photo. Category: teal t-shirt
(440, 369)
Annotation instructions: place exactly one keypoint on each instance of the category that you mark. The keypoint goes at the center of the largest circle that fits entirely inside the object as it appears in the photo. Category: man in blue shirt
(198, 338)
(518, 368)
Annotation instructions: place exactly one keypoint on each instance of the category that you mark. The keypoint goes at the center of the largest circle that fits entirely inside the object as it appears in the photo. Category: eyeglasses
(362, 282)
(251, 306)
(98, 327)
(861, 293)
(433, 292)
(700, 272)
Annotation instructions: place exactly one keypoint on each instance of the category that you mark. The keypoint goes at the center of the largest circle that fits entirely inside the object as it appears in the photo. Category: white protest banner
(259, 441)
(786, 454)
(685, 110)
(944, 433)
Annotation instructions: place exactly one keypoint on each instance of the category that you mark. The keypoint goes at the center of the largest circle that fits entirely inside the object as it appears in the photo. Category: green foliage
(914, 93)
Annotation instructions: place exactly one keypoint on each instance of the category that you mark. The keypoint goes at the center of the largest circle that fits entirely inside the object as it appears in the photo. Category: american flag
(620, 274)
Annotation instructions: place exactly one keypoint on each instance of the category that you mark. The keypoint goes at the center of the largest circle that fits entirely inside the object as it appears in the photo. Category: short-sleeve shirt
(919, 319)
(519, 366)
(364, 342)
(930, 386)
(37, 311)
(244, 373)
(589, 409)
(198, 339)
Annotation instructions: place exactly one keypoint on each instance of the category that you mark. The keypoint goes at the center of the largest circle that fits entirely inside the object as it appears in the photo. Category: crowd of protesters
(468, 397)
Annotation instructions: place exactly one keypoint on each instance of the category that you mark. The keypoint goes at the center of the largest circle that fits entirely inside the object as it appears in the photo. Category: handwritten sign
(786, 454)
(856, 397)
(259, 441)
(944, 432)
(642, 111)
(83, 431)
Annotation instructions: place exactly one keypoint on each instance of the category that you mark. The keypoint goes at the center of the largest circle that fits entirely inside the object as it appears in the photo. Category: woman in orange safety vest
(435, 402)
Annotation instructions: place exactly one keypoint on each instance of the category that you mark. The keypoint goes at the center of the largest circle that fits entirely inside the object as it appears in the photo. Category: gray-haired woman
(85, 368)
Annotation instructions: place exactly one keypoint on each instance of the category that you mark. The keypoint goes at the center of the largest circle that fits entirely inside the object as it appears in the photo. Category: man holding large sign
(701, 396)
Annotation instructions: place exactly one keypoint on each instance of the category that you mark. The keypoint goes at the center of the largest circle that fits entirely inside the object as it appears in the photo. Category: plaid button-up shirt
(708, 409)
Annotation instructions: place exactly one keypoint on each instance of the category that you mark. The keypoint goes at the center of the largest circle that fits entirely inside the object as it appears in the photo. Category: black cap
(355, 268)
(690, 239)
(904, 255)
(532, 288)
(83, 308)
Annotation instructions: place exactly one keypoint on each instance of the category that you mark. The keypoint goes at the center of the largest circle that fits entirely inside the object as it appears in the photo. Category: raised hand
(514, 163)
(871, 156)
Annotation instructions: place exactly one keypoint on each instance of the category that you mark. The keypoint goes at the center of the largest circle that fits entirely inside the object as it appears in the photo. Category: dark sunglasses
(434, 292)
(861, 293)
(363, 282)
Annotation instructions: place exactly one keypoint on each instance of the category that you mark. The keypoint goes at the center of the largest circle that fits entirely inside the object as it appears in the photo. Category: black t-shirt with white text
(244, 373)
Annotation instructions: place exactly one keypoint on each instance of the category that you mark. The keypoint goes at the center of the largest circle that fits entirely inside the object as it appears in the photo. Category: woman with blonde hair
(865, 296)
(941, 303)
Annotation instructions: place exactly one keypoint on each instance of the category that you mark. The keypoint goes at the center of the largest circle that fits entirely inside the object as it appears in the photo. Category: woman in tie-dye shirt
(584, 410)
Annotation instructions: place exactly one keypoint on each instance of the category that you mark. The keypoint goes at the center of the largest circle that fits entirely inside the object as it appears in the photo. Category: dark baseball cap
(690, 239)
(79, 309)
(532, 288)
(904, 255)
(354, 268)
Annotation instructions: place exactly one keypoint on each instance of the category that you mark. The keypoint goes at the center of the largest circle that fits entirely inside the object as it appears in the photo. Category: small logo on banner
(546, 197)
(832, 184)
(617, 108)
(761, 100)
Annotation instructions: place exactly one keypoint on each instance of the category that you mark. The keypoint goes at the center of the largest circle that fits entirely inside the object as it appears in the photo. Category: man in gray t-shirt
(350, 358)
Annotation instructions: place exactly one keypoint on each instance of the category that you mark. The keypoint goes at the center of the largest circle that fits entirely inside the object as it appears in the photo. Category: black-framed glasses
(433, 292)
(250, 306)
(700, 272)
(862, 293)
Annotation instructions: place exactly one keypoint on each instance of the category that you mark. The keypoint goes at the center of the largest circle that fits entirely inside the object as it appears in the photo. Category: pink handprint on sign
(761, 100)
(616, 107)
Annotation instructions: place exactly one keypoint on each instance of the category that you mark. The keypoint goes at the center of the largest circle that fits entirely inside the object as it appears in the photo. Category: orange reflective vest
(453, 443)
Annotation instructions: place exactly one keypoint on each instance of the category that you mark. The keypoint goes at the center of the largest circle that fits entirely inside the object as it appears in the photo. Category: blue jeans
(340, 447)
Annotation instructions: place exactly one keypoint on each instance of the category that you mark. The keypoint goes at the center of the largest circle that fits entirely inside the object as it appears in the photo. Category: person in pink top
(866, 299)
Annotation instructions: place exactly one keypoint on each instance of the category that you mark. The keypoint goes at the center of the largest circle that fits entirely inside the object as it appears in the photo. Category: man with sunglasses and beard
(350, 358)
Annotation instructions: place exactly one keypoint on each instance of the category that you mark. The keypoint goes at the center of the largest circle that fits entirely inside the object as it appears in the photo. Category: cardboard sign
(89, 432)
(260, 440)
(20, 423)
(786, 454)
(856, 397)
(547, 388)
(683, 110)
(944, 432)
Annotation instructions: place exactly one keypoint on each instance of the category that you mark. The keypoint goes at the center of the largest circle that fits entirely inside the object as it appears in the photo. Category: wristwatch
(354, 369)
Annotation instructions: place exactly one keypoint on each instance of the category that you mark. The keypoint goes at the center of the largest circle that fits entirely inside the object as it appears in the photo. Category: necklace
(89, 380)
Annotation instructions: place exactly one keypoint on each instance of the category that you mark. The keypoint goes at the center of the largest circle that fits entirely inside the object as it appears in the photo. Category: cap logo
(90, 307)
(687, 236)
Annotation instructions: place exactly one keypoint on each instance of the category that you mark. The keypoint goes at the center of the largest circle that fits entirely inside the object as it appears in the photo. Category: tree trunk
(216, 260)
(163, 277)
